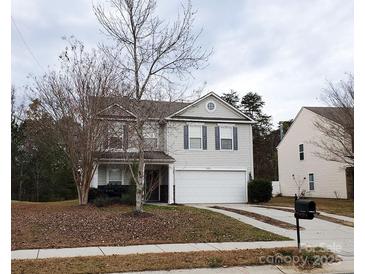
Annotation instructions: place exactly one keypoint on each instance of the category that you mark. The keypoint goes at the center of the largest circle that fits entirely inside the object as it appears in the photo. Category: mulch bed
(47, 225)
(318, 216)
(168, 261)
(260, 217)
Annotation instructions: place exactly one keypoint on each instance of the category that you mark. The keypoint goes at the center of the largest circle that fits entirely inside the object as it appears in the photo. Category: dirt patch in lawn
(55, 225)
(260, 217)
(168, 261)
(321, 217)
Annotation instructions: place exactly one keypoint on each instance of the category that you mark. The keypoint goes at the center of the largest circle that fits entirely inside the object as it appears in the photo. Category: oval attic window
(210, 106)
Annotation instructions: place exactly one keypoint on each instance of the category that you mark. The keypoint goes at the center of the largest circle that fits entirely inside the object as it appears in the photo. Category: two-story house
(300, 164)
(199, 152)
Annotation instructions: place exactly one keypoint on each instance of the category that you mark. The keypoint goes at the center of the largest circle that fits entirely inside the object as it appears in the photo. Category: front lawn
(333, 206)
(65, 224)
(167, 261)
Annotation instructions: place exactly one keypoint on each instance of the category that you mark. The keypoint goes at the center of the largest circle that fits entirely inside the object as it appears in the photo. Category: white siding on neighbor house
(221, 111)
(211, 158)
(275, 188)
(329, 177)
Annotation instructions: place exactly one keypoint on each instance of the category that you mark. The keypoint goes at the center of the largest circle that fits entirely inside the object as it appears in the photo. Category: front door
(152, 185)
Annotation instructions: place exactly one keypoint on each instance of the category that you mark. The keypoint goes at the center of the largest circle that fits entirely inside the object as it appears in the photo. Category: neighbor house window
(115, 176)
(301, 152)
(150, 136)
(311, 181)
(195, 137)
(115, 132)
(226, 135)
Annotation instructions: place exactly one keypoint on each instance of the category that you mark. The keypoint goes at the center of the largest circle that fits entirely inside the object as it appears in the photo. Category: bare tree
(299, 183)
(154, 55)
(337, 126)
(70, 97)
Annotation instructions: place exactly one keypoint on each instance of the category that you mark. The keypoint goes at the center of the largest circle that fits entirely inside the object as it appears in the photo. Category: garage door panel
(210, 186)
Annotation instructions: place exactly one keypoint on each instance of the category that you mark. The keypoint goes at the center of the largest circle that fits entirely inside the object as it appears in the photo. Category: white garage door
(210, 186)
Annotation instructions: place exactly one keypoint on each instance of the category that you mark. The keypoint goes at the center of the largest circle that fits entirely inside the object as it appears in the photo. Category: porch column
(94, 180)
(171, 184)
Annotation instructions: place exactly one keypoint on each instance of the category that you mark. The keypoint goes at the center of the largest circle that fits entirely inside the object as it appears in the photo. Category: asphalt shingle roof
(150, 156)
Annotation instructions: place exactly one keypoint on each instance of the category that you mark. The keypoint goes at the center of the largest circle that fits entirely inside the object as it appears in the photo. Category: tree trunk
(37, 189)
(78, 192)
(83, 193)
(85, 197)
(140, 183)
(20, 183)
(37, 185)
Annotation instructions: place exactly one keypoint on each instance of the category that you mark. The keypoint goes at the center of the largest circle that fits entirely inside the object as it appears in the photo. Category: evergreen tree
(231, 97)
(264, 141)
(39, 166)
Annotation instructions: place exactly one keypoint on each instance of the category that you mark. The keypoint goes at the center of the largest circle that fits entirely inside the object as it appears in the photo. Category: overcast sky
(285, 50)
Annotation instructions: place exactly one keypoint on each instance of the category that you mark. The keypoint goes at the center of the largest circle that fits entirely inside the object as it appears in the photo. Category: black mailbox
(305, 209)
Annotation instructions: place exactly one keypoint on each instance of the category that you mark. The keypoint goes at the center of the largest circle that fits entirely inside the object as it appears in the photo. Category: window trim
(309, 182)
(220, 138)
(210, 110)
(108, 168)
(201, 137)
(301, 152)
(151, 133)
(111, 135)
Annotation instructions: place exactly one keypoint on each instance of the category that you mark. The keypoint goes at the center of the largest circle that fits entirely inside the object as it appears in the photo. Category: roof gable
(223, 110)
(116, 110)
(330, 113)
(334, 114)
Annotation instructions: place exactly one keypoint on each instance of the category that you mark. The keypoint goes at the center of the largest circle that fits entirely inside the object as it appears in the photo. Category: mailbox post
(304, 209)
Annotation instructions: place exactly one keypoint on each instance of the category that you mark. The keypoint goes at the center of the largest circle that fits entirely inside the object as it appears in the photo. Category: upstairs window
(195, 137)
(226, 135)
(301, 152)
(115, 132)
(311, 181)
(150, 136)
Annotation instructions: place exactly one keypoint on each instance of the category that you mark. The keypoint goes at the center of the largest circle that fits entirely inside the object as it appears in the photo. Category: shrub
(93, 193)
(102, 201)
(129, 197)
(259, 191)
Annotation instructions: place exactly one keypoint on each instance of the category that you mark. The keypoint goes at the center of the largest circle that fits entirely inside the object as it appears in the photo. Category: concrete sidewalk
(142, 249)
(338, 238)
(340, 217)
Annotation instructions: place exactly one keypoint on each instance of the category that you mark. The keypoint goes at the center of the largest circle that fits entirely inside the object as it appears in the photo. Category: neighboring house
(199, 152)
(298, 156)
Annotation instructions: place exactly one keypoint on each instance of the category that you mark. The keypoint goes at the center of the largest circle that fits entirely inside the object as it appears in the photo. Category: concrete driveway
(336, 237)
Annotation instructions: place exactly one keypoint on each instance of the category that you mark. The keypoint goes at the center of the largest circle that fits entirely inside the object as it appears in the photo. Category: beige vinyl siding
(221, 111)
(210, 158)
(162, 138)
(329, 177)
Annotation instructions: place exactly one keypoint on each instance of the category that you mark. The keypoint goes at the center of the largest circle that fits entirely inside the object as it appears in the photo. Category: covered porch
(113, 176)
